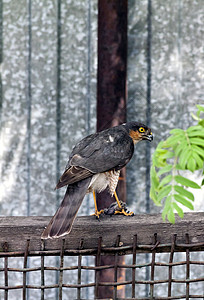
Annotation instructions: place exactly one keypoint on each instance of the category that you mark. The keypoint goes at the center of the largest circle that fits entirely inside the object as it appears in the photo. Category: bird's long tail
(61, 222)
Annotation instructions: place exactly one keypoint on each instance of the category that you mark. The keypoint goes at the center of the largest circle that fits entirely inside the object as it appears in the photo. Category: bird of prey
(94, 165)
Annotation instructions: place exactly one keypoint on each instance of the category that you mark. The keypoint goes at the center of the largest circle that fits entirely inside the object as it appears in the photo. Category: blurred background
(48, 84)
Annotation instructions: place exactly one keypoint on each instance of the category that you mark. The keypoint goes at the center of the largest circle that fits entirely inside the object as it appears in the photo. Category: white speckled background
(28, 151)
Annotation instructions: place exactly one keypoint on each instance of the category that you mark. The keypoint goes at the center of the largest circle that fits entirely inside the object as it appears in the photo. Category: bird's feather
(63, 219)
(73, 174)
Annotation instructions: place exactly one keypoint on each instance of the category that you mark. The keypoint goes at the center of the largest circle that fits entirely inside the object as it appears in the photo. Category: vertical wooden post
(111, 100)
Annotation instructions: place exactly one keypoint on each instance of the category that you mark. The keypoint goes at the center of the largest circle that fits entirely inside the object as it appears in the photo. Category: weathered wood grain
(17, 230)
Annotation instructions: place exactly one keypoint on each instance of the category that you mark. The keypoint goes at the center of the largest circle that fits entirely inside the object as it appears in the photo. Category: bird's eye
(141, 129)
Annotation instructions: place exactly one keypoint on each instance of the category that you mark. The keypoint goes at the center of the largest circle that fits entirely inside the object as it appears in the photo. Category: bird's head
(138, 131)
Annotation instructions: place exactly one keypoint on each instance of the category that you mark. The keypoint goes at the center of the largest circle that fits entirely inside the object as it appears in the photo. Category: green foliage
(183, 150)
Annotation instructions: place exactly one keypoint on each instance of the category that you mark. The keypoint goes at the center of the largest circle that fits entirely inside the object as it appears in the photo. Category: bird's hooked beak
(148, 137)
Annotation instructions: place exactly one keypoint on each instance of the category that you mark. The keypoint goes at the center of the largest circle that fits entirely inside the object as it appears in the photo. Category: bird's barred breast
(113, 180)
(101, 181)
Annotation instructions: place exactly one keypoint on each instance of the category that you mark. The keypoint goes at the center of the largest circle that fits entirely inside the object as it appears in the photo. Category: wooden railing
(116, 235)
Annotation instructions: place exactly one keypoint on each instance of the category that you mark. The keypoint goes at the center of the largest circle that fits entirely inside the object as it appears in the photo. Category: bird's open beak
(148, 137)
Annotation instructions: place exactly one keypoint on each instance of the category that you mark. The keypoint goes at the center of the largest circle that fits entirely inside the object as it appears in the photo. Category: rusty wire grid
(135, 267)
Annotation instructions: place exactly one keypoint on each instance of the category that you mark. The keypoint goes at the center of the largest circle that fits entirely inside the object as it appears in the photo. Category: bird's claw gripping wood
(122, 208)
(115, 209)
(123, 212)
(98, 213)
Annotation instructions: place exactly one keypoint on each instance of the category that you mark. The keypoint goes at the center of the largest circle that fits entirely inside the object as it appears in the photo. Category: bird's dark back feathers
(102, 151)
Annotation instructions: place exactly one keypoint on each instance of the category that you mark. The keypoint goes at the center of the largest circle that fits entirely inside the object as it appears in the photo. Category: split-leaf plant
(183, 150)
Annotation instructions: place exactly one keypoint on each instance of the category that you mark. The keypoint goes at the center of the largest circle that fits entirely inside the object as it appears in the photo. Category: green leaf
(160, 145)
(199, 107)
(186, 182)
(177, 131)
(180, 148)
(197, 141)
(183, 201)
(193, 128)
(196, 133)
(165, 169)
(165, 180)
(157, 160)
(154, 158)
(178, 167)
(169, 154)
(153, 196)
(172, 140)
(191, 165)
(166, 207)
(154, 177)
(184, 156)
(178, 209)
(171, 216)
(161, 151)
(201, 123)
(196, 117)
(199, 150)
(163, 192)
(198, 159)
(183, 192)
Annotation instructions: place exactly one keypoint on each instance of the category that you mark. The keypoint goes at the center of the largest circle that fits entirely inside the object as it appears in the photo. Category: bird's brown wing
(73, 174)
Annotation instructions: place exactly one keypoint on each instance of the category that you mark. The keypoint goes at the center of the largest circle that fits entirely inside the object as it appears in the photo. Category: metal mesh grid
(62, 286)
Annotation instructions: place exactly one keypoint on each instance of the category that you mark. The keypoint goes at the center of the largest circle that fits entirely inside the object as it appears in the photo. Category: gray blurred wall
(48, 90)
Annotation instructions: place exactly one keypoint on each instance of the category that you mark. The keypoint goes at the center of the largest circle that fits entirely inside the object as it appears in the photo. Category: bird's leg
(97, 213)
(118, 201)
(121, 208)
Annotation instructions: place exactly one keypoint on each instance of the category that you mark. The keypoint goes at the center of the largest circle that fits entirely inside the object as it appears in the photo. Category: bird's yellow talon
(98, 213)
(123, 212)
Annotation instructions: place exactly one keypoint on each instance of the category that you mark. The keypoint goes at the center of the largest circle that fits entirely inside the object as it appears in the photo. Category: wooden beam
(17, 230)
